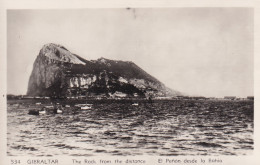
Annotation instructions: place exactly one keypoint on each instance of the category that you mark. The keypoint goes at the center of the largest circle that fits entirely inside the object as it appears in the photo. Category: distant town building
(198, 98)
(250, 97)
(28, 97)
(136, 95)
(163, 98)
(179, 97)
(119, 94)
(212, 98)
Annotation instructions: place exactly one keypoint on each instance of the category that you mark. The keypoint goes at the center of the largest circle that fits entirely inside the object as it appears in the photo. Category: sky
(197, 51)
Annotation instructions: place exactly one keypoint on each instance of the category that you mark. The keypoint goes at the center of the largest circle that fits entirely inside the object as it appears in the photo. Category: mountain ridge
(58, 72)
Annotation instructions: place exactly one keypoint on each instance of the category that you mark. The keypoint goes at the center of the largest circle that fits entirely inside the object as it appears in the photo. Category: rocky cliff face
(58, 72)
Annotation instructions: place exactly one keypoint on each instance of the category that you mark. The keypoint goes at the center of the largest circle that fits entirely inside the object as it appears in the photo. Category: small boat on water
(49, 106)
(85, 107)
(42, 112)
(33, 112)
(59, 111)
(37, 111)
(82, 105)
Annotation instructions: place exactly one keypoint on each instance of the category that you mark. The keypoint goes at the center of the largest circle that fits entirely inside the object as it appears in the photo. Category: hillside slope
(58, 72)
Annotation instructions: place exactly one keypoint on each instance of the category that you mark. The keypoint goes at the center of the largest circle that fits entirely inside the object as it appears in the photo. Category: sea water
(160, 128)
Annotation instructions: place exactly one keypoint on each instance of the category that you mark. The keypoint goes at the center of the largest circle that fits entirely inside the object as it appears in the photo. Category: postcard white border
(79, 4)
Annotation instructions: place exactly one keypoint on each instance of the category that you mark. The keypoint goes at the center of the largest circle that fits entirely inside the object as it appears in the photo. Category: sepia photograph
(130, 81)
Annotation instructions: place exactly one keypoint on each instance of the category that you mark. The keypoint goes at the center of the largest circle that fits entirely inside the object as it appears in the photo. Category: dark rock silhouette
(57, 72)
